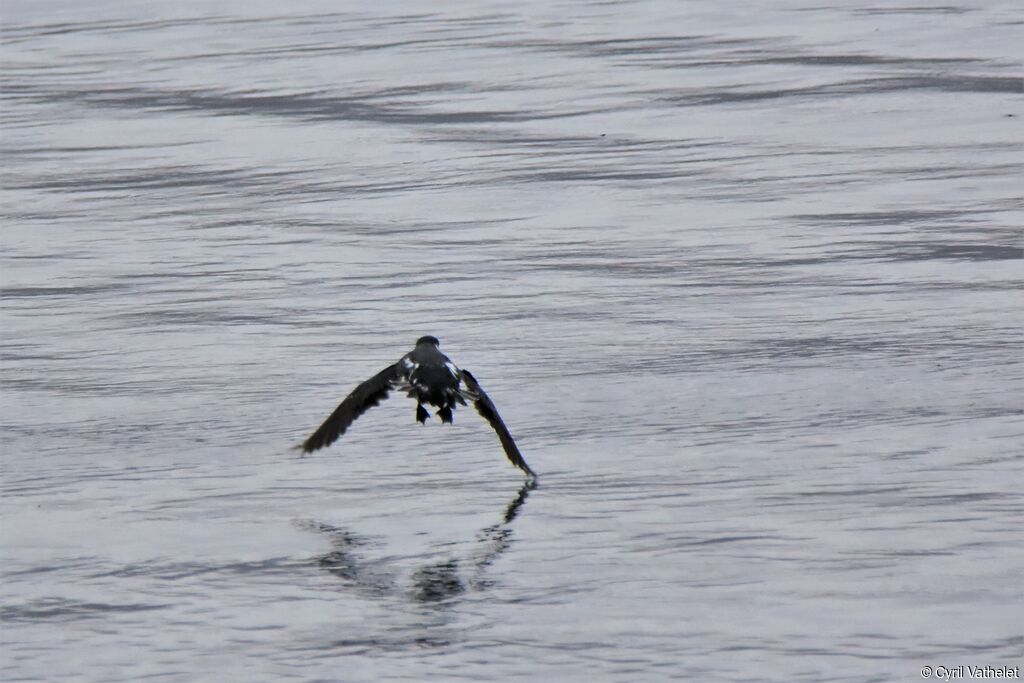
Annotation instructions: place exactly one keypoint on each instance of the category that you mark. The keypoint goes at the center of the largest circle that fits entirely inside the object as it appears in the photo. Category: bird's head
(427, 340)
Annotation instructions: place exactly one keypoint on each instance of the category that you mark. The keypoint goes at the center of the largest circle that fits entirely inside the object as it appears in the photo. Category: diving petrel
(428, 376)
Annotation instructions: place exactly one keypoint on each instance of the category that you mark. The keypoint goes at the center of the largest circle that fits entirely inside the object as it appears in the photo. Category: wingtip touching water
(430, 377)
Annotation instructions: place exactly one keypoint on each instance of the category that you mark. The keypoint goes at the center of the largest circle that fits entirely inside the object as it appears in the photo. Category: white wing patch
(453, 370)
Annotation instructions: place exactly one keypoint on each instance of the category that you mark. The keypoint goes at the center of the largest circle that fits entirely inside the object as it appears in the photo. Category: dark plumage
(431, 378)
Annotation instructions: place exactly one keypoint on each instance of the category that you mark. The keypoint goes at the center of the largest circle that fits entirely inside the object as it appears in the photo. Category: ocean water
(744, 282)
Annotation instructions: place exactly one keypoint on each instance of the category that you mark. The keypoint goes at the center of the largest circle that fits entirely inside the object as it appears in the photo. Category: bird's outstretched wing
(486, 408)
(363, 397)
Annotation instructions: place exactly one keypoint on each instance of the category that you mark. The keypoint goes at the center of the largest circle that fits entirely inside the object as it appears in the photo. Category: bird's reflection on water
(431, 583)
(437, 582)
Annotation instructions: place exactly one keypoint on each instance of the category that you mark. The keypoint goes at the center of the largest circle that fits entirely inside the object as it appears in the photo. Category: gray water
(744, 283)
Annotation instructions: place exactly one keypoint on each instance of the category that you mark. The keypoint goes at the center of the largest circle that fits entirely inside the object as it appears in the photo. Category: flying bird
(431, 378)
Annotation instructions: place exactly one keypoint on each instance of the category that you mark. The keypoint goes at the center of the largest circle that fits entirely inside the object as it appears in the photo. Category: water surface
(744, 284)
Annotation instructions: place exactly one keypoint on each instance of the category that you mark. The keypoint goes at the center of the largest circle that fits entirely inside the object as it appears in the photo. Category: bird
(431, 378)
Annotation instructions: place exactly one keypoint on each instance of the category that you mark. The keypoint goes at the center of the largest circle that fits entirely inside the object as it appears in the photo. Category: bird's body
(431, 378)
